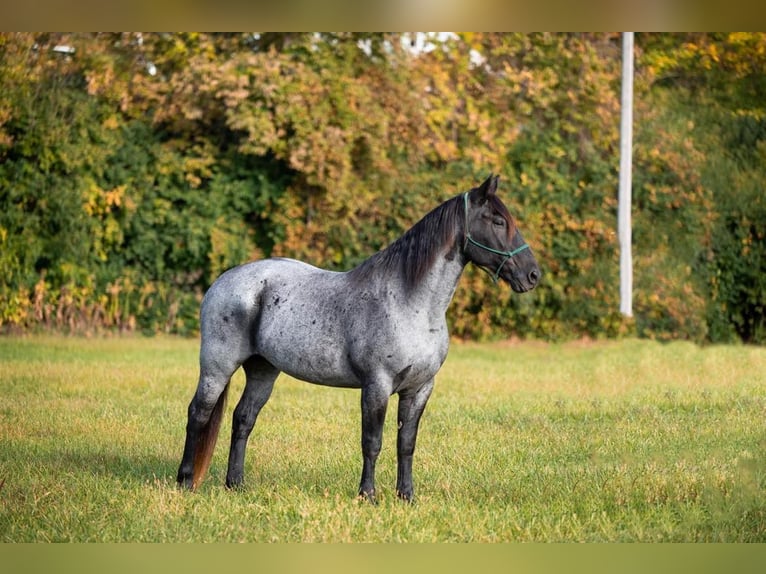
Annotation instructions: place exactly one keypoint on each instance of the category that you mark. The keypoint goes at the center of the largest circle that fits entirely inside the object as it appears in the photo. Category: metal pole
(626, 162)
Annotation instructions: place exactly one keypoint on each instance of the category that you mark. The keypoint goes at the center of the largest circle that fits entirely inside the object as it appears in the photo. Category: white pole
(626, 161)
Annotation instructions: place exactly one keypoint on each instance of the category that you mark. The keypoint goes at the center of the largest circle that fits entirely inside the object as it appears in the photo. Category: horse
(380, 327)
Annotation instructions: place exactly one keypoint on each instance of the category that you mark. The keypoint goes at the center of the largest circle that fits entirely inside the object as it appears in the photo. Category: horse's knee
(198, 414)
(206, 397)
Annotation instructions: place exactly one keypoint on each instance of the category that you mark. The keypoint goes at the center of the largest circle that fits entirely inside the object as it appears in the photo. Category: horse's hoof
(367, 497)
(407, 497)
(185, 482)
(234, 484)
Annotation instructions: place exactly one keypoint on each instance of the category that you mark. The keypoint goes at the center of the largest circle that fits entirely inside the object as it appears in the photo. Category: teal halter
(506, 254)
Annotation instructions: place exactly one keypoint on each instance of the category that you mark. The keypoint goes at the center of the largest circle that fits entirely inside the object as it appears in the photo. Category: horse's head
(493, 242)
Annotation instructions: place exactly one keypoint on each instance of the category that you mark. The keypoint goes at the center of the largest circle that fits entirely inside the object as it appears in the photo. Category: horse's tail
(207, 439)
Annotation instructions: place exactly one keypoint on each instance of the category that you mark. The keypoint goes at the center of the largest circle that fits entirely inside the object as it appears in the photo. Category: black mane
(415, 252)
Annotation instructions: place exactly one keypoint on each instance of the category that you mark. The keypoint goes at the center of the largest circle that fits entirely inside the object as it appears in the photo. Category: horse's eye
(498, 221)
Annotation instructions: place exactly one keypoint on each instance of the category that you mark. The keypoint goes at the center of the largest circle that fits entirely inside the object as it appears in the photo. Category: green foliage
(737, 263)
(137, 167)
(717, 82)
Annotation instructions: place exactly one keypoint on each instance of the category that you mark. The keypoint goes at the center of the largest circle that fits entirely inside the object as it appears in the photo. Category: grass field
(605, 441)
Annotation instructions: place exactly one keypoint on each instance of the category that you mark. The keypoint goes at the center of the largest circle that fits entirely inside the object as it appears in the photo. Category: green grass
(624, 441)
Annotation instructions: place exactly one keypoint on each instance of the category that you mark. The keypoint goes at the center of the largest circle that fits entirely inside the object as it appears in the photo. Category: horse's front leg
(374, 405)
(411, 406)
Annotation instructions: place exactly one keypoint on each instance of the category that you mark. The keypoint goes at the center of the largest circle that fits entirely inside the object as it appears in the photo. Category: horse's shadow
(127, 468)
(136, 469)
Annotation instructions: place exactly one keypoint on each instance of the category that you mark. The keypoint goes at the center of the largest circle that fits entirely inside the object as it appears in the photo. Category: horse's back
(284, 311)
(234, 295)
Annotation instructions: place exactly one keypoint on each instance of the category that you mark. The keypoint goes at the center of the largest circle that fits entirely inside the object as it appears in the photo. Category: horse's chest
(415, 374)
(417, 358)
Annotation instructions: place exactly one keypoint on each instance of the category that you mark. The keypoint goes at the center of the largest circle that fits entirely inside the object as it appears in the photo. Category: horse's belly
(328, 355)
(321, 369)
(305, 351)
(320, 376)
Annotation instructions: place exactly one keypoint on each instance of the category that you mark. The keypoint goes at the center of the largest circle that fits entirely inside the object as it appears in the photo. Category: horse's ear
(489, 187)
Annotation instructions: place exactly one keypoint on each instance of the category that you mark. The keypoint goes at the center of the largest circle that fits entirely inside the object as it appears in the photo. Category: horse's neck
(437, 287)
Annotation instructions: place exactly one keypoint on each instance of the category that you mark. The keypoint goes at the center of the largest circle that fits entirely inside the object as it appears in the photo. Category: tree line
(135, 168)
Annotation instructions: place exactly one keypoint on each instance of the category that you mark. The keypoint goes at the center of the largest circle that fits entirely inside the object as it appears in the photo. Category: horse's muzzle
(522, 281)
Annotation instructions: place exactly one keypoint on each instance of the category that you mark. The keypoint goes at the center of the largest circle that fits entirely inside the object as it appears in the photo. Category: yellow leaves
(747, 243)
(103, 205)
(114, 197)
(713, 53)
(261, 132)
(112, 122)
(197, 169)
(723, 57)
(98, 81)
(446, 150)
(100, 202)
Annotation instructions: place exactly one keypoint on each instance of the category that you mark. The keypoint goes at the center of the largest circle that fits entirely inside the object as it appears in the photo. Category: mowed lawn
(600, 441)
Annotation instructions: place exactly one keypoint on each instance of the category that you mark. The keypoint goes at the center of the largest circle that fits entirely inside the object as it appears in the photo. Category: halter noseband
(469, 239)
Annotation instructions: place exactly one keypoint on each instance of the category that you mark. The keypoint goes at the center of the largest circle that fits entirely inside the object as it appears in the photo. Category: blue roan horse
(380, 327)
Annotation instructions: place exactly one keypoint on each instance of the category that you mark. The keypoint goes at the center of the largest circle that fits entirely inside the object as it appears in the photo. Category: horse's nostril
(534, 276)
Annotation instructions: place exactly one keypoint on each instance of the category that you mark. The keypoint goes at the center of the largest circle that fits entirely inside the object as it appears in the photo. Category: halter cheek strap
(507, 254)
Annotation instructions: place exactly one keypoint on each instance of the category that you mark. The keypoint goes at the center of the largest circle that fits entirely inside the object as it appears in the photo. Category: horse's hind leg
(260, 377)
(204, 418)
